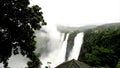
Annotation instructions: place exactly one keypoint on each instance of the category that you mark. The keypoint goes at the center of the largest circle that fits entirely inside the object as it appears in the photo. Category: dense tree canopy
(17, 26)
(101, 46)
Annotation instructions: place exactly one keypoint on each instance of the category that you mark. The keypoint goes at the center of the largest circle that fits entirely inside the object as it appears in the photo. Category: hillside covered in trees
(101, 46)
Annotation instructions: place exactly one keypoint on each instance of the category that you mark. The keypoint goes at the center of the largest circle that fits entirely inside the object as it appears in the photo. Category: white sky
(79, 12)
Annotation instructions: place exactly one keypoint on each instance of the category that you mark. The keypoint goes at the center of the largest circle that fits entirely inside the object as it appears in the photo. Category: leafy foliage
(118, 64)
(101, 46)
(17, 26)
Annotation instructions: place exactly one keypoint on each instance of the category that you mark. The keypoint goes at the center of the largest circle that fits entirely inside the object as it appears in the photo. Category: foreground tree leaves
(17, 26)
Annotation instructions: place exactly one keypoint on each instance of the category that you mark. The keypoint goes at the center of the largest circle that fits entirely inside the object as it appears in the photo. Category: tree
(101, 46)
(17, 26)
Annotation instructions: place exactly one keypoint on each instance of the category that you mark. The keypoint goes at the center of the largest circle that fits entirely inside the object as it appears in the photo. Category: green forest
(101, 46)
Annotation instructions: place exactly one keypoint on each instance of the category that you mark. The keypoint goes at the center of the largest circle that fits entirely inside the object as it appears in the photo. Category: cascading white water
(56, 56)
(56, 50)
(77, 46)
(51, 45)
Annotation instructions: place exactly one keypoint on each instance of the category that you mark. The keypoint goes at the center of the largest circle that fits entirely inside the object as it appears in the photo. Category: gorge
(54, 46)
(61, 43)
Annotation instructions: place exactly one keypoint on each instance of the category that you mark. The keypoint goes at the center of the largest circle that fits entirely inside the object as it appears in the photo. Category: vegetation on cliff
(101, 46)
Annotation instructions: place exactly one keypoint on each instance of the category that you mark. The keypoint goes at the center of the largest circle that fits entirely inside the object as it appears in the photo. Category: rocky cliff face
(70, 44)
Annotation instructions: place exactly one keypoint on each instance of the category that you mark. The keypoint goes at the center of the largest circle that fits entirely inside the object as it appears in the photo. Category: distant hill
(68, 29)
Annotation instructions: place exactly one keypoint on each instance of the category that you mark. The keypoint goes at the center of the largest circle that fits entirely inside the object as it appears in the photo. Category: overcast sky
(79, 12)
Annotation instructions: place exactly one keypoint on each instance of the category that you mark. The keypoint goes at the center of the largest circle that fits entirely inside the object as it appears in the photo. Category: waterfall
(70, 45)
(53, 47)
(57, 56)
(77, 46)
